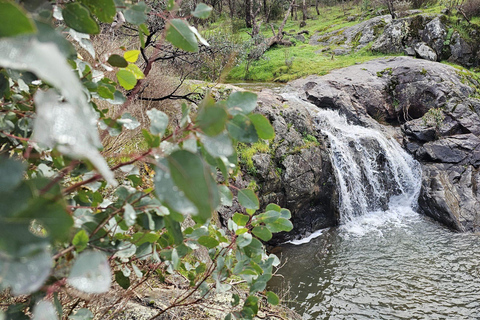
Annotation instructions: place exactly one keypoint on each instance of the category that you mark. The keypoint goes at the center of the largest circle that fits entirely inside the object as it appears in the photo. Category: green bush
(68, 220)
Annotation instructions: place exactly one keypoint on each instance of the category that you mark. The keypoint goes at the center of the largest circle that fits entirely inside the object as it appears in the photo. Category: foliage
(67, 218)
(434, 118)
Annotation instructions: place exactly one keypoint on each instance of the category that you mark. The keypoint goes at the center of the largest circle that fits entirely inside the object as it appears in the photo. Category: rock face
(427, 106)
(431, 38)
(295, 172)
(425, 36)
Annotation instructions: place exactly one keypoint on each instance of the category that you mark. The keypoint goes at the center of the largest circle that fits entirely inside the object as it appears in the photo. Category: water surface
(393, 265)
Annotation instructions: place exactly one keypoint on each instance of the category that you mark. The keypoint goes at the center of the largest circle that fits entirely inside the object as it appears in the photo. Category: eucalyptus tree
(71, 221)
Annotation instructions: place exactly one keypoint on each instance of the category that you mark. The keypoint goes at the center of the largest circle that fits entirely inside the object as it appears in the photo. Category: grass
(305, 62)
(283, 64)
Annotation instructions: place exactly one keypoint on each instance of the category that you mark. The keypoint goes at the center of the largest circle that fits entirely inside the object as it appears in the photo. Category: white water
(376, 179)
(385, 261)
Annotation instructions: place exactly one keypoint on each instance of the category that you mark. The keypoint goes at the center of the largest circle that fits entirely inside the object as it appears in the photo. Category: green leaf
(52, 215)
(117, 61)
(181, 36)
(11, 173)
(242, 129)
(122, 281)
(136, 13)
(254, 249)
(106, 91)
(27, 273)
(80, 240)
(262, 232)
(241, 102)
(90, 273)
(175, 229)
(279, 225)
(257, 286)
(273, 206)
(202, 11)
(129, 214)
(167, 192)
(236, 300)
(136, 71)
(263, 126)
(126, 78)
(175, 259)
(248, 199)
(251, 303)
(15, 20)
(195, 179)
(78, 17)
(285, 213)
(272, 298)
(140, 238)
(218, 146)
(244, 240)
(104, 9)
(44, 310)
(152, 141)
(47, 62)
(128, 121)
(268, 217)
(132, 55)
(208, 242)
(212, 119)
(226, 195)
(240, 219)
(143, 27)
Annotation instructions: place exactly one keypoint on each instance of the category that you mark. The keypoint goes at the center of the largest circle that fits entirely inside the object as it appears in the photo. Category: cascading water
(408, 268)
(373, 172)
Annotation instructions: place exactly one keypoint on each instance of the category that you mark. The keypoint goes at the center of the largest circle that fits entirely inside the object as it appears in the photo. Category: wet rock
(402, 90)
(450, 195)
(425, 52)
(296, 172)
(392, 39)
(434, 35)
(419, 131)
(461, 51)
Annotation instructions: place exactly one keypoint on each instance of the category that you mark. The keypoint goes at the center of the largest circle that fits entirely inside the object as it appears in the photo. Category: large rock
(434, 35)
(401, 91)
(296, 172)
(425, 52)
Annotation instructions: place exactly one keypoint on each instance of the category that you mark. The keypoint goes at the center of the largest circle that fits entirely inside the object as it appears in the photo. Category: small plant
(246, 152)
(434, 118)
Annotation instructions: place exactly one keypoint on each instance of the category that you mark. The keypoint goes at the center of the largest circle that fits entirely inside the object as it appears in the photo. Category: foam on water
(307, 239)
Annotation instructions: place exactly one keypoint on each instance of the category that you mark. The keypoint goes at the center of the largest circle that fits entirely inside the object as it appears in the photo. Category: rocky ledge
(432, 109)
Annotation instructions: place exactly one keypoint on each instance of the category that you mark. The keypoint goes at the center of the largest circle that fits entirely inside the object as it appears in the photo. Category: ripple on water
(407, 268)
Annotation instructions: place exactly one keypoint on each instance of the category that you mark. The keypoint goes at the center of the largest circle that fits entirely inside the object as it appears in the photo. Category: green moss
(252, 185)
(246, 152)
(385, 71)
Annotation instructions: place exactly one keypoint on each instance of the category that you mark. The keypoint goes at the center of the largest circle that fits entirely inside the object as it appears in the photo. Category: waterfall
(373, 172)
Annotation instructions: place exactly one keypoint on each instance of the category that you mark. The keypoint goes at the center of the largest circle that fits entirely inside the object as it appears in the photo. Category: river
(395, 265)
(384, 261)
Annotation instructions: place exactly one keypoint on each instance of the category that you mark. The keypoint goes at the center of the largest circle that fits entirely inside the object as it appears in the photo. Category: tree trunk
(231, 6)
(248, 13)
(316, 7)
(304, 10)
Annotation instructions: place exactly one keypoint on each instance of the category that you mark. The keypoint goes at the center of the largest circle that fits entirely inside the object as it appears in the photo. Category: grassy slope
(273, 66)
